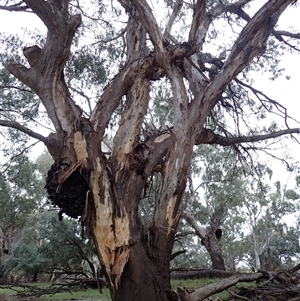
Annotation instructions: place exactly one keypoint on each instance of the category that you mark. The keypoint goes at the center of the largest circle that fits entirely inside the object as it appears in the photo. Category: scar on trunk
(121, 258)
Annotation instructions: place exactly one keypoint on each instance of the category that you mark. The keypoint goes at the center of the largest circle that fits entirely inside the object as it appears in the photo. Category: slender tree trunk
(35, 276)
(256, 247)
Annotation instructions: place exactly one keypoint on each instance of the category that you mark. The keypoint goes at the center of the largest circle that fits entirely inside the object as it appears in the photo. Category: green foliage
(88, 294)
(46, 244)
(21, 194)
(246, 204)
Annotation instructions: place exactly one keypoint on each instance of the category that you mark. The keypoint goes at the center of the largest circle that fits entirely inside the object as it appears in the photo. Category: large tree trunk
(106, 190)
(143, 278)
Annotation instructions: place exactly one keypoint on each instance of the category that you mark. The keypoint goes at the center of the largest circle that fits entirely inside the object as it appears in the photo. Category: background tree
(222, 193)
(21, 194)
(48, 246)
(105, 189)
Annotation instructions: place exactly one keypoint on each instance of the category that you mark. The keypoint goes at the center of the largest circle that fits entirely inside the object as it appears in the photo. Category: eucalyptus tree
(266, 210)
(221, 197)
(48, 246)
(20, 194)
(105, 187)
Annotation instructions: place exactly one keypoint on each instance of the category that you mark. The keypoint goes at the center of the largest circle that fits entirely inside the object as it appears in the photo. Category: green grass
(7, 292)
(87, 294)
(94, 294)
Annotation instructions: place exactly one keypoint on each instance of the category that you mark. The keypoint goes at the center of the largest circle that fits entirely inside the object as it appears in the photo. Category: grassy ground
(87, 294)
(93, 294)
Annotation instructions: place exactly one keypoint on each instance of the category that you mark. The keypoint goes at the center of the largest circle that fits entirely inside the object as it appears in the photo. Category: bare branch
(235, 7)
(18, 7)
(281, 109)
(279, 36)
(15, 87)
(176, 10)
(23, 129)
(193, 223)
(209, 137)
(12, 158)
(104, 41)
(286, 34)
(200, 23)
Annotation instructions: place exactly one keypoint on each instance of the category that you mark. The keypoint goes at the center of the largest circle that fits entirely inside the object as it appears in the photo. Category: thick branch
(135, 37)
(23, 129)
(214, 288)
(61, 30)
(232, 8)
(50, 12)
(256, 32)
(159, 145)
(200, 20)
(21, 72)
(200, 232)
(207, 136)
(176, 10)
(15, 7)
(45, 76)
(286, 34)
(150, 24)
(249, 44)
(137, 99)
(116, 89)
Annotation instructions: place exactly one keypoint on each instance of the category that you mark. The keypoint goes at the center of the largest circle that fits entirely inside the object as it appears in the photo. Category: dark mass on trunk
(104, 186)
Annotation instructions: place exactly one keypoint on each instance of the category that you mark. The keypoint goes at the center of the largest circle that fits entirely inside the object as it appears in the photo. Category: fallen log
(208, 290)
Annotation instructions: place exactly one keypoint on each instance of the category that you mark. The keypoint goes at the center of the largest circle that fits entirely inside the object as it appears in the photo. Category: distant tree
(47, 245)
(21, 194)
(221, 192)
(266, 208)
(211, 102)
